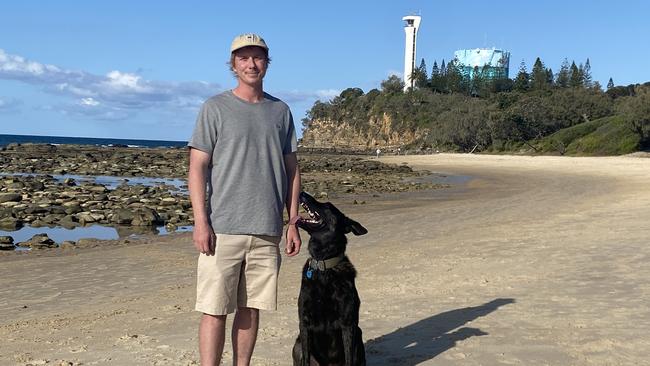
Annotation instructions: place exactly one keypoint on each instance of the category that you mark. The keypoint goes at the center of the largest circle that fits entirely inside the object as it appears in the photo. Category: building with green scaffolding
(491, 63)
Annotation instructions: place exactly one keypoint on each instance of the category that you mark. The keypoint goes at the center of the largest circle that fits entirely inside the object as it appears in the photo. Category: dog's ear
(354, 227)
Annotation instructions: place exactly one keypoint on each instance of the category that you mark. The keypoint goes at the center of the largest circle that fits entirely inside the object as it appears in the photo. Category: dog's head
(327, 227)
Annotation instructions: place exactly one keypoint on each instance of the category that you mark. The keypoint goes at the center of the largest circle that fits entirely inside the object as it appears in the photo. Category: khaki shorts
(243, 272)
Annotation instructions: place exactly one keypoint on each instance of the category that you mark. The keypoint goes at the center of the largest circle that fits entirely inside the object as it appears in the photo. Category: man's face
(250, 65)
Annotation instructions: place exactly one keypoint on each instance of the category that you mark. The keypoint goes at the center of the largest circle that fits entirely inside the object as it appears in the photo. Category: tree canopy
(481, 113)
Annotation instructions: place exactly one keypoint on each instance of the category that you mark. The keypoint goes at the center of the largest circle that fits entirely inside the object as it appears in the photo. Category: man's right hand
(204, 239)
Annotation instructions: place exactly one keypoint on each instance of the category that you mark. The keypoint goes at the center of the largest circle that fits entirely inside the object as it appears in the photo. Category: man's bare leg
(244, 335)
(212, 334)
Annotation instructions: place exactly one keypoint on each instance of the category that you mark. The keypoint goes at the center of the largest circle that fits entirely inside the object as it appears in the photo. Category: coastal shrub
(612, 138)
(637, 113)
(560, 140)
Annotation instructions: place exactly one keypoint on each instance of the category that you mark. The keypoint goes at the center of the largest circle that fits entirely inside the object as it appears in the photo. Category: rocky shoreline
(41, 200)
(31, 196)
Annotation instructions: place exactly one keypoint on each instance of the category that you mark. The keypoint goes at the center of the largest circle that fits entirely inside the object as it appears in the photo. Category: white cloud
(126, 82)
(296, 96)
(18, 68)
(119, 94)
(17, 64)
(65, 88)
(89, 101)
(8, 104)
(328, 93)
(93, 109)
(119, 91)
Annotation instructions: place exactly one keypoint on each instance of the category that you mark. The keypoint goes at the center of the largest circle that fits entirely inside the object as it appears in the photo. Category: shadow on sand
(428, 337)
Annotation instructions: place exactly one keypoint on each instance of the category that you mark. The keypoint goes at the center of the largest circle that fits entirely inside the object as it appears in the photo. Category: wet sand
(535, 261)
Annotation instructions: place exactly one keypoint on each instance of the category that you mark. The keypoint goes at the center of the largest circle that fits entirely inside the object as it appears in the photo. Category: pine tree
(522, 79)
(423, 69)
(562, 78)
(575, 76)
(420, 75)
(538, 77)
(454, 78)
(549, 77)
(435, 71)
(610, 84)
(443, 82)
(434, 81)
(586, 75)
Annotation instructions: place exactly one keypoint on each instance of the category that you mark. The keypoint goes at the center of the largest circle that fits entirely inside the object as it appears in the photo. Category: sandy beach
(534, 261)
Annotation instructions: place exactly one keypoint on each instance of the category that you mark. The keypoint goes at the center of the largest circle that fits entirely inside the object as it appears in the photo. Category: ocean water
(60, 234)
(21, 139)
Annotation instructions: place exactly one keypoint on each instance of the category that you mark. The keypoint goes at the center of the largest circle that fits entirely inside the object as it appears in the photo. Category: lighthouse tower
(411, 29)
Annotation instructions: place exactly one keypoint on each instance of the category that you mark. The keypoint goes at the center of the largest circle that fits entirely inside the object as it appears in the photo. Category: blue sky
(140, 69)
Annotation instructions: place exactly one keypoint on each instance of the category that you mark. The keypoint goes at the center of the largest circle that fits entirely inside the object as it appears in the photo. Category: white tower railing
(411, 29)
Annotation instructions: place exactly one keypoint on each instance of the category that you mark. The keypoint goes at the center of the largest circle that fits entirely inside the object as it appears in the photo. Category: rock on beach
(10, 197)
(10, 223)
(6, 243)
(38, 241)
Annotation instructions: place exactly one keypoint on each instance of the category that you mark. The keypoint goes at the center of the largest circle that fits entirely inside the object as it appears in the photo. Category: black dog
(328, 304)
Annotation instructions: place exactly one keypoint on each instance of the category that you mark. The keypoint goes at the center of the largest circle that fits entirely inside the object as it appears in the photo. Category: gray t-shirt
(247, 143)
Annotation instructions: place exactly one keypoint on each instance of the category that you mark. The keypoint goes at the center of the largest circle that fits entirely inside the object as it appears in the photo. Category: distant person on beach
(245, 142)
(378, 152)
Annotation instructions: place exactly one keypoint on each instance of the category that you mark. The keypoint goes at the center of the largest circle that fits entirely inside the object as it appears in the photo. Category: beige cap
(248, 39)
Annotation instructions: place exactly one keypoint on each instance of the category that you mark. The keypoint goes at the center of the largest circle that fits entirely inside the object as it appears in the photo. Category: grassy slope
(605, 136)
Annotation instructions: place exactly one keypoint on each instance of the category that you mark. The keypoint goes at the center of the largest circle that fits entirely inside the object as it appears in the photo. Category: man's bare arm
(293, 177)
(203, 236)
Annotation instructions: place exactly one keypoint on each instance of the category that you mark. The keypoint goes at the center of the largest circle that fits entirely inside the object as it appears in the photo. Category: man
(245, 142)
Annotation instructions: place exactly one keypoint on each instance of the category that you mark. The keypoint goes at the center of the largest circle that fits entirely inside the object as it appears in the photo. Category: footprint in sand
(82, 348)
